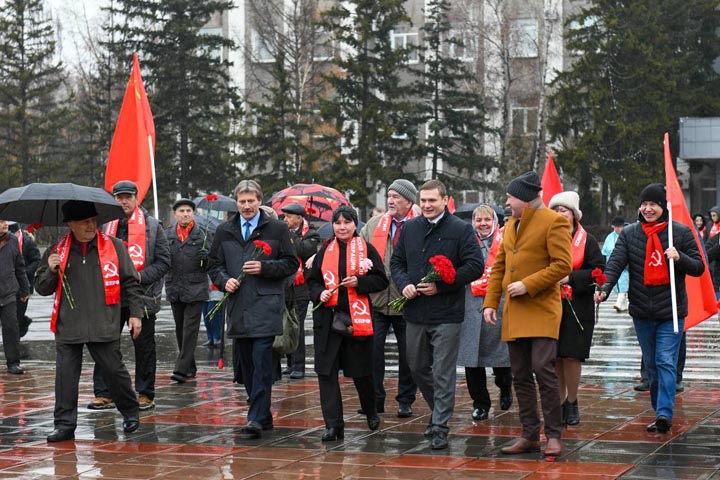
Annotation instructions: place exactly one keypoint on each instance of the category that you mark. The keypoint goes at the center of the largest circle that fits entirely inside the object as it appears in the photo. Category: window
(524, 120)
(324, 49)
(576, 26)
(407, 40)
(263, 48)
(464, 48)
(524, 38)
(214, 53)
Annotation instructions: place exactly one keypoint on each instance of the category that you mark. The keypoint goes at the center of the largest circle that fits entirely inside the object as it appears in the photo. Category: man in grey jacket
(89, 273)
(14, 287)
(148, 249)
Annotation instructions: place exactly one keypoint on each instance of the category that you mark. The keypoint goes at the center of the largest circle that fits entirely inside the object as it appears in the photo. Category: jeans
(214, 326)
(660, 347)
(680, 363)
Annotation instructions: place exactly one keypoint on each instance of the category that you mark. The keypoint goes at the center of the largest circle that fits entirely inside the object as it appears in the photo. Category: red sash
(479, 287)
(382, 232)
(578, 247)
(136, 237)
(359, 304)
(19, 236)
(300, 275)
(109, 267)
(715, 229)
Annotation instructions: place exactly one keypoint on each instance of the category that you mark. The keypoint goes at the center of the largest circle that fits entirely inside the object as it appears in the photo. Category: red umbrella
(319, 201)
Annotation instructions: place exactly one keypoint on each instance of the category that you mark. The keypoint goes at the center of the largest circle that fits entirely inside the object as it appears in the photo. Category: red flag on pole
(700, 292)
(131, 153)
(550, 180)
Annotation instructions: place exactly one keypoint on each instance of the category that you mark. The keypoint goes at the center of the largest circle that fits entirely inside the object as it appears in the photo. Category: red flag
(550, 180)
(700, 291)
(451, 205)
(130, 155)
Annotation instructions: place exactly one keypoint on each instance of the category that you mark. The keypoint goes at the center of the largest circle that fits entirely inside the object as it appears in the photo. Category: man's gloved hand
(203, 255)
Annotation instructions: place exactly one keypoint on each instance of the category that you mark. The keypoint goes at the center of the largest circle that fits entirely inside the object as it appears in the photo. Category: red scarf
(578, 247)
(300, 275)
(656, 270)
(136, 237)
(109, 267)
(715, 229)
(479, 287)
(359, 304)
(382, 232)
(19, 236)
(184, 232)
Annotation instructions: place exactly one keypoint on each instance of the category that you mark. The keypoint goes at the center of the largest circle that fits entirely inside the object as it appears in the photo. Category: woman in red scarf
(344, 272)
(643, 248)
(578, 318)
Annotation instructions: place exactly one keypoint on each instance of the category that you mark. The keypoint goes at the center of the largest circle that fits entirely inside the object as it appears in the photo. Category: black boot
(573, 414)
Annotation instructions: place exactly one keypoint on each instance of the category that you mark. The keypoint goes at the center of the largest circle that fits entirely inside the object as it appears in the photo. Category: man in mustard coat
(534, 256)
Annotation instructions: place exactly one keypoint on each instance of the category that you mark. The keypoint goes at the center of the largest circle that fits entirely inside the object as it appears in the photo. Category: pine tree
(369, 142)
(642, 65)
(32, 95)
(448, 103)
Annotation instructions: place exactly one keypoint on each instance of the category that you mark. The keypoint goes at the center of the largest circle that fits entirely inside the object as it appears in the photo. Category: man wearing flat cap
(534, 256)
(149, 252)
(383, 231)
(305, 240)
(186, 286)
(90, 273)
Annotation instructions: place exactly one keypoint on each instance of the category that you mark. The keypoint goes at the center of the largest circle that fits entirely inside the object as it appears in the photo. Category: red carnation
(599, 277)
(211, 197)
(444, 267)
(260, 245)
(566, 292)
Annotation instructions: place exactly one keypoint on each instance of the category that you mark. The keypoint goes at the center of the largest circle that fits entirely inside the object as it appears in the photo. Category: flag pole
(154, 178)
(673, 293)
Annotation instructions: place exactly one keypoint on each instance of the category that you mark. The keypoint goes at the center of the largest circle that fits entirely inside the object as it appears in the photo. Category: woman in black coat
(578, 318)
(336, 286)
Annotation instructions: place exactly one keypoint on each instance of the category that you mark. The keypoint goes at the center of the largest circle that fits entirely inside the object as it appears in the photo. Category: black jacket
(31, 255)
(420, 240)
(256, 309)
(13, 280)
(186, 281)
(712, 246)
(653, 302)
(305, 247)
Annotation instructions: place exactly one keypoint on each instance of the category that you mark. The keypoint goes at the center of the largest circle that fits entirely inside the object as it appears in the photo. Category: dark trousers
(68, 365)
(187, 325)
(680, 363)
(213, 325)
(10, 333)
(296, 360)
(256, 362)
(22, 307)
(477, 384)
(331, 398)
(145, 360)
(406, 386)
(536, 355)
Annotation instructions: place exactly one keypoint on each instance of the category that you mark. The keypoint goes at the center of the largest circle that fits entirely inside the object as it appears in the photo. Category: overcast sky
(74, 17)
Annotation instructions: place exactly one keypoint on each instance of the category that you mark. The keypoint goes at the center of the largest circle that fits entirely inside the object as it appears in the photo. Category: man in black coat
(256, 283)
(435, 310)
(14, 288)
(31, 254)
(186, 286)
(306, 240)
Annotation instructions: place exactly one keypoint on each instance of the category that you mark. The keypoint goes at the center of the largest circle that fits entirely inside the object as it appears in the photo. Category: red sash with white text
(479, 287)
(578, 247)
(382, 232)
(109, 268)
(136, 237)
(359, 304)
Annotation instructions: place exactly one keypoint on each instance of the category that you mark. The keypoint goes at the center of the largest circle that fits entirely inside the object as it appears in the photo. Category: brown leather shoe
(553, 447)
(521, 445)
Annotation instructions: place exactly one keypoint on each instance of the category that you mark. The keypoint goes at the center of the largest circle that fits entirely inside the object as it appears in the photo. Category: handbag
(287, 343)
(342, 323)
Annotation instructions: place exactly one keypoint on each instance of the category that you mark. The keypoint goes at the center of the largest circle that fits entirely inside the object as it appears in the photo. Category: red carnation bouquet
(599, 279)
(261, 249)
(213, 197)
(441, 269)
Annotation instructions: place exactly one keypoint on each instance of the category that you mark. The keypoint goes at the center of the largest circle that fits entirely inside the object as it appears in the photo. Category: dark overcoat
(187, 280)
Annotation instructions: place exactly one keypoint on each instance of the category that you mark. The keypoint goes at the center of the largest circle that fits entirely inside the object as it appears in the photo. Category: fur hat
(525, 187)
(405, 188)
(655, 192)
(570, 200)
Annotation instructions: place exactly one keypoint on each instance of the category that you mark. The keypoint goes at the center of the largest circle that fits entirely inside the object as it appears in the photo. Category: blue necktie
(246, 235)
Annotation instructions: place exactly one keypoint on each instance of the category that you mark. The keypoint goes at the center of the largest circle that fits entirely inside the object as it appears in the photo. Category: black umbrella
(42, 203)
(221, 204)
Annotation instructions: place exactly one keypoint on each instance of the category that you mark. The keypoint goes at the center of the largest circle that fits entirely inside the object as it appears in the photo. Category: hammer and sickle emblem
(329, 278)
(359, 308)
(135, 250)
(110, 270)
(655, 259)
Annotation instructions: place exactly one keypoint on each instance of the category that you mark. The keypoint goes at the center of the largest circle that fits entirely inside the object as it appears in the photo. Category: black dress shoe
(652, 427)
(251, 431)
(505, 399)
(333, 433)
(209, 343)
(297, 375)
(439, 440)
(15, 369)
(130, 425)
(373, 422)
(643, 386)
(178, 377)
(480, 414)
(60, 435)
(286, 371)
(404, 411)
(663, 424)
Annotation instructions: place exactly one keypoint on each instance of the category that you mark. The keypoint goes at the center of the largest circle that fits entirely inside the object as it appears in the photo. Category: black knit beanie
(655, 192)
(525, 187)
